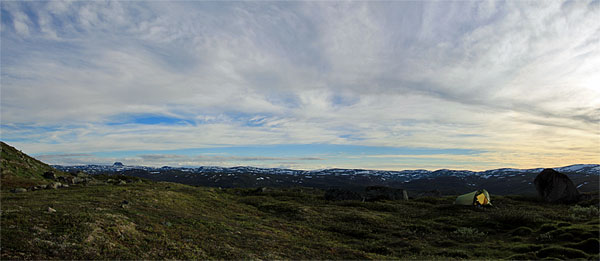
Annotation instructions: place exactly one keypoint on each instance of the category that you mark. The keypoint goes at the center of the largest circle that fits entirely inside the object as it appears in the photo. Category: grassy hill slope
(20, 170)
(149, 220)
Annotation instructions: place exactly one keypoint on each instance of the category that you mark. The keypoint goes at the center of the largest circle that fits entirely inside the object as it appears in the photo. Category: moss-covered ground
(149, 220)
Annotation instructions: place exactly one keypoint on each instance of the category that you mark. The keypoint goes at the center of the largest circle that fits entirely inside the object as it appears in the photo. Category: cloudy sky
(305, 85)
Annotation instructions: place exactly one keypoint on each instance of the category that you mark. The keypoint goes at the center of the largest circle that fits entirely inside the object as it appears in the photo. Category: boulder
(65, 180)
(19, 190)
(34, 188)
(54, 185)
(342, 194)
(374, 193)
(79, 180)
(555, 187)
(49, 175)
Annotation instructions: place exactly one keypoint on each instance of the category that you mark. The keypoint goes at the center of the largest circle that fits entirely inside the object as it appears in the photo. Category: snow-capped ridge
(593, 169)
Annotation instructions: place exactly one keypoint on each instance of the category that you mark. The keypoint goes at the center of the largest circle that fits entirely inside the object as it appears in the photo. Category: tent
(476, 198)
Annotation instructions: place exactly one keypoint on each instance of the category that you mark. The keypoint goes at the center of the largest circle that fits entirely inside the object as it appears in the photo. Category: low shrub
(580, 213)
(545, 237)
(467, 233)
(418, 229)
(514, 217)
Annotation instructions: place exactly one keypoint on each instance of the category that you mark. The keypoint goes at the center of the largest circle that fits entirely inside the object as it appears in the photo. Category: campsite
(124, 217)
(299, 130)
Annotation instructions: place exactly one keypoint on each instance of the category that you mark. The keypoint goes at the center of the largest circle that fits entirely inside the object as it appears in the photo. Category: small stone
(19, 190)
(122, 182)
(43, 186)
(64, 186)
(54, 185)
(51, 210)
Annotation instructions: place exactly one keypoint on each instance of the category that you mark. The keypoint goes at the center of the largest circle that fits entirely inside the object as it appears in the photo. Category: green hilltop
(17, 169)
(119, 217)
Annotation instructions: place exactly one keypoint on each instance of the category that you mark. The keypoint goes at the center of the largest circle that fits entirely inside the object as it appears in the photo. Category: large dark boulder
(374, 193)
(65, 180)
(49, 175)
(555, 187)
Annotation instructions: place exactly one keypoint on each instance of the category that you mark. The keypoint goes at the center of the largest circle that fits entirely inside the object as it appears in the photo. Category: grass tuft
(580, 213)
(467, 233)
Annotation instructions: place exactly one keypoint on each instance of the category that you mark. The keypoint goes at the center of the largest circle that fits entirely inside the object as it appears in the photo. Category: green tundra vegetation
(120, 217)
(149, 220)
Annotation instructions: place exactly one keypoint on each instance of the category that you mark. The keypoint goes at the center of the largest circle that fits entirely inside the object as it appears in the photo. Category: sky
(305, 85)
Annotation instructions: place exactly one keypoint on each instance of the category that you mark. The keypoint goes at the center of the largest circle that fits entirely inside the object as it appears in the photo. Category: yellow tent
(477, 198)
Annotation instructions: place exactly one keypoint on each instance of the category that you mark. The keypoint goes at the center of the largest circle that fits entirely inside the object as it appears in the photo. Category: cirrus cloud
(515, 79)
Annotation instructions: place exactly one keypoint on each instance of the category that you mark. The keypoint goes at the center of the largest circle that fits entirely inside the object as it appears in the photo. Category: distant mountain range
(444, 181)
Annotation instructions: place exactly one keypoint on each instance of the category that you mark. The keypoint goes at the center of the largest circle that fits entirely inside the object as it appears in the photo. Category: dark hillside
(20, 170)
(447, 182)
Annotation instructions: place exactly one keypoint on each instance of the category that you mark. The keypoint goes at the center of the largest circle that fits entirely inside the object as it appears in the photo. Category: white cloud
(488, 75)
